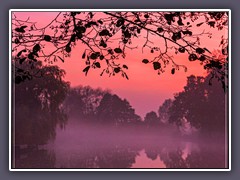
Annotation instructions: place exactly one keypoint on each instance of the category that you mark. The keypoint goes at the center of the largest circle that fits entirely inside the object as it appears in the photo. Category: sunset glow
(120, 90)
(145, 89)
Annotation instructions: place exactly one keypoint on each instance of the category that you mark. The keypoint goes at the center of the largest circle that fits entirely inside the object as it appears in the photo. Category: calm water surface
(81, 147)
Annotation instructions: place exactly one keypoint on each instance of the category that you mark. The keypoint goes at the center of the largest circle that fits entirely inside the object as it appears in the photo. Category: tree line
(46, 102)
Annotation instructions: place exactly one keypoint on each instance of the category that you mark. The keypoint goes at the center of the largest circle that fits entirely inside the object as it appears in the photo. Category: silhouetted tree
(83, 101)
(107, 37)
(163, 110)
(38, 106)
(74, 103)
(151, 119)
(115, 111)
(201, 105)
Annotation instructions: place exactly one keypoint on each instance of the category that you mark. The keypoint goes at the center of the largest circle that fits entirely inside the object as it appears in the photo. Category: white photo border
(115, 10)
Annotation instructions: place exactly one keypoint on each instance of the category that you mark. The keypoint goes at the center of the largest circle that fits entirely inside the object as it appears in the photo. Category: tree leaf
(120, 22)
(117, 70)
(104, 32)
(86, 69)
(97, 64)
(22, 60)
(36, 48)
(61, 58)
(156, 65)
(20, 30)
(73, 38)
(125, 66)
(202, 58)
(47, 38)
(81, 29)
(84, 55)
(207, 50)
(146, 16)
(30, 56)
(180, 23)
(199, 24)
(200, 50)
(160, 29)
(68, 49)
(187, 32)
(23, 27)
(16, 41)
(181, 49)
(192, 57)
(211, 23)
(225, 51)
(126, 76)
(20, 52)
(145, 61)
(118, 50)
(94, 56)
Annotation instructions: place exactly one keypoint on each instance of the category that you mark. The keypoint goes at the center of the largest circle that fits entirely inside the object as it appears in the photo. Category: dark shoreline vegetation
(197, 114)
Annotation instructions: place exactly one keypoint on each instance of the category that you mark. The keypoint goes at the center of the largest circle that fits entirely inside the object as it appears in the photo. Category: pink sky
(145, 89)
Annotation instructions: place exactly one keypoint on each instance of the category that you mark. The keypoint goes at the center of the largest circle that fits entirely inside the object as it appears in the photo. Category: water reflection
(99, 150)
(30, 158)
(142, 161)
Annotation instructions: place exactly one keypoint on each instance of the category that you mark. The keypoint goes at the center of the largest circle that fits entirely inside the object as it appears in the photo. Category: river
(78, 146)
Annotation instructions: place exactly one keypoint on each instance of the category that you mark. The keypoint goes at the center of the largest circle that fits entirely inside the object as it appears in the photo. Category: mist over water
(81, 145)
(93, 128)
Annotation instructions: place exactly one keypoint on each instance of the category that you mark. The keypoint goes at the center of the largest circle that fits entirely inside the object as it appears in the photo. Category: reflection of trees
(119, 157)
(152, 153)
(116, 155)
(207, 156)
(112, 151)
(211, 156)
(112, 156)
(173, 158)
(35, 159)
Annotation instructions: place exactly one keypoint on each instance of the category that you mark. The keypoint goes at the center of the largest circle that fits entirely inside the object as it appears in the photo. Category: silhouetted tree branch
(109, 36)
